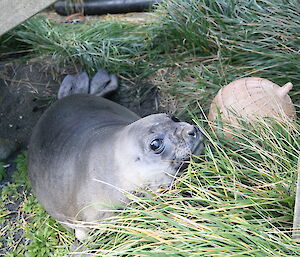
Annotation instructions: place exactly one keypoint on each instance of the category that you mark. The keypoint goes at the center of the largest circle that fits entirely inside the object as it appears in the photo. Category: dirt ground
(27, 89)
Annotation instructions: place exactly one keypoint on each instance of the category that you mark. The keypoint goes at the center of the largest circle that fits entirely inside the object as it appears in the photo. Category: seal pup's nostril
(192, 131)
(175, 119)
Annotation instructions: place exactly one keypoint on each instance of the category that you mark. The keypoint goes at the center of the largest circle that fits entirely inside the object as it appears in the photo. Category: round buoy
(250, 98)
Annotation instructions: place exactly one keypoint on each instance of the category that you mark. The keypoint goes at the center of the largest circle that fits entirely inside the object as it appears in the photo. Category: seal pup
(87, 152)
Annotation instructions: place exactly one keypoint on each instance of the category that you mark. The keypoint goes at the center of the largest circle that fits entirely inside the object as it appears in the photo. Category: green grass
(262, 34)
(237, 199)
(115, 45)
(215, 42)
(201, 44)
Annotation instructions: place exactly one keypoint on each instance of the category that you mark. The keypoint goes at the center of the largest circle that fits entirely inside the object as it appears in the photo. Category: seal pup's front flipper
(103, 83)
(74, 84)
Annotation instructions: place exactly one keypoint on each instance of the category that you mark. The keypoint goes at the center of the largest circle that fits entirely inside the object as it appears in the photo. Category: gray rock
(7, 147)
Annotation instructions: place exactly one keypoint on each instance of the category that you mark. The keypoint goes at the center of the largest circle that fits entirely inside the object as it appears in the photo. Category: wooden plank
(296, 225)
(14, 12)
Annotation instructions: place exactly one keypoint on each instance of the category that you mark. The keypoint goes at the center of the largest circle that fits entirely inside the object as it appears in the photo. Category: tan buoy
(252, 97)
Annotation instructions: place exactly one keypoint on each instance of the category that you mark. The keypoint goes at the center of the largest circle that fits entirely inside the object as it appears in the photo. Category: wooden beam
(14, 12)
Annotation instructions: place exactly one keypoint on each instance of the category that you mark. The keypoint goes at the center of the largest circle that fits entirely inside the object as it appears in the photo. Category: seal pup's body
(86, 152)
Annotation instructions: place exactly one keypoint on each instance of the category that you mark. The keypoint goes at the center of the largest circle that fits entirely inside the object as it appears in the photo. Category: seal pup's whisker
(111, 185)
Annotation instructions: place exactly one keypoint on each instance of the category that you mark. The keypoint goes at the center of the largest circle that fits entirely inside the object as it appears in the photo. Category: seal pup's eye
(157, 145)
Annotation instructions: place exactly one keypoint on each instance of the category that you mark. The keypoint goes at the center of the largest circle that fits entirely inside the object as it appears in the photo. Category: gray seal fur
(86, 152)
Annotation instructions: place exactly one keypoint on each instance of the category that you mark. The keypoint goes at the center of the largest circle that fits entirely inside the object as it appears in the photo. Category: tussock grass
(235, 200)
(262, 34)
(202, 45)
(115, 45)
(215, 42)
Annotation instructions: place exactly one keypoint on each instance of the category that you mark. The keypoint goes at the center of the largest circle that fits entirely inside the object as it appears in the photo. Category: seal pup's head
(156, 146)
